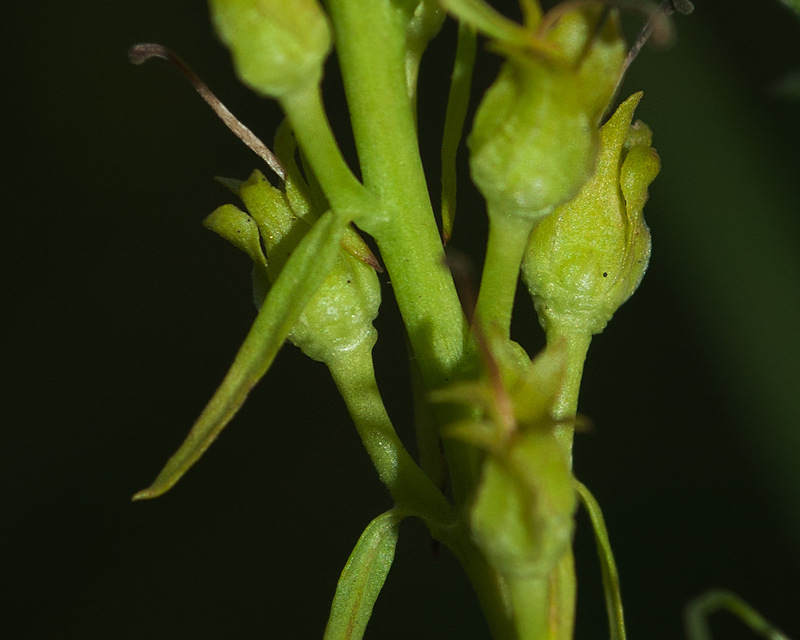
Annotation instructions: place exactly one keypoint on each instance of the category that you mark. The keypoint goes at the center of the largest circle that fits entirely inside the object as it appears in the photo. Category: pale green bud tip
(277, 45)
(588, 258)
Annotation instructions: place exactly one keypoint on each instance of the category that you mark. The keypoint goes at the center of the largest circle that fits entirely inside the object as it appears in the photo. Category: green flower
(338, 318)
(534, 139)
(590, 255)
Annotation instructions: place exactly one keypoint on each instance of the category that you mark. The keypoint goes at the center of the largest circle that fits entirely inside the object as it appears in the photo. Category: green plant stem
(577, 344)
(491, 589)
(410, 488)
(457, 106)
(563, 597)
(508, 238)
(370, 37)
(562, 579)
(530, 600)
(306, 114)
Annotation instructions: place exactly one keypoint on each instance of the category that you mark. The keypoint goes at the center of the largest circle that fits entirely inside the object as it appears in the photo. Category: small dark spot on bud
(605, 274)
(349, 281)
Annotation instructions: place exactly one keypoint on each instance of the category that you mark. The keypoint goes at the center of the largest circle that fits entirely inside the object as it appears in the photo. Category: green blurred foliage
(121, 314)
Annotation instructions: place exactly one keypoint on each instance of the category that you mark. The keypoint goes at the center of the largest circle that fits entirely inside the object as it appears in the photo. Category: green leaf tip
(301, 277)
(363, 578)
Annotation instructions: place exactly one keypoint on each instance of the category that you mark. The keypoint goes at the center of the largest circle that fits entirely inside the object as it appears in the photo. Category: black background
(120, 314)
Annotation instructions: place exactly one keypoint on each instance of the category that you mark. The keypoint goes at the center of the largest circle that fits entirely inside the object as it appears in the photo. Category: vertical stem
(491, 589)
(457, 105)
(411, 489)
(563, 583)
(508, 237)
(563, 595)
(566, 407)
(370, 37)
(531, 604)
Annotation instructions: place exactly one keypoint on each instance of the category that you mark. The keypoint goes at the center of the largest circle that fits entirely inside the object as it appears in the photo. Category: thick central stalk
(370, 43)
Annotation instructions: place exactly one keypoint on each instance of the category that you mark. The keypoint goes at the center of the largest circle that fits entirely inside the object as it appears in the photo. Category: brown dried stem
(140, 53)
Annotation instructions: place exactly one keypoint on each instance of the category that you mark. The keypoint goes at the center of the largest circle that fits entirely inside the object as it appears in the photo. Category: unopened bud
(589, 256)
(277, 45)
(339, 316)
(534, 139)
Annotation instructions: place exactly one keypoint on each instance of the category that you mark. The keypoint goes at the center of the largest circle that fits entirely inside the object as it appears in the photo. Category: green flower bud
(277, 45)
(522, 511)
(534, 139)
(523, 514)
(339, 316)
(589, 256)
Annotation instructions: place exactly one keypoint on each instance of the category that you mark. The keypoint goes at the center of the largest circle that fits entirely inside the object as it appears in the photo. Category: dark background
(120, 315)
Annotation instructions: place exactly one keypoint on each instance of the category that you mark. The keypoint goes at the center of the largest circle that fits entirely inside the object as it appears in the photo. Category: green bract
(586, 259)
(277, 45)
(534, 139)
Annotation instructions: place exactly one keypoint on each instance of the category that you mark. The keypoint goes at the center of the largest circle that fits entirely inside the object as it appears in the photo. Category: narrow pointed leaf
(457, 104)
(616, 621)
(302, 275)
(363, 577)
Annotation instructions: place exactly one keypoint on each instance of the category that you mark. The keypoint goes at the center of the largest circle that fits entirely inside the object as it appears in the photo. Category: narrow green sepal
(231, 184)
(363, 578)
(303, 274)
(616, 620)
(238, 228)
